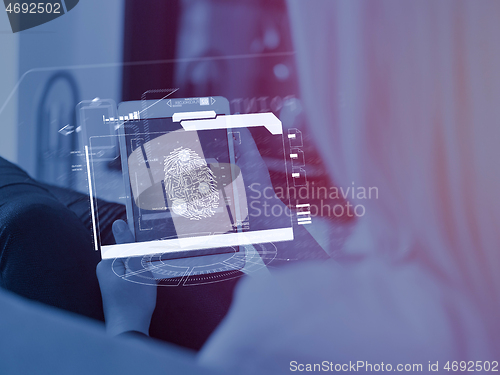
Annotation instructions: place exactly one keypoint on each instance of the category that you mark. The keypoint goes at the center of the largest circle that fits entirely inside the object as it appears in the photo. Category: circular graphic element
(190, 184)
(154, 270)
(184, 156)
(204, 188)
(179, 207)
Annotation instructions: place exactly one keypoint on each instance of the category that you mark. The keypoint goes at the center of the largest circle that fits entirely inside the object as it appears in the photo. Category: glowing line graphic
(91, 198)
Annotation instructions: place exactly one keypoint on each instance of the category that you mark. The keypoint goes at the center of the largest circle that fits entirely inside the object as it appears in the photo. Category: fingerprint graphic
(190, 184)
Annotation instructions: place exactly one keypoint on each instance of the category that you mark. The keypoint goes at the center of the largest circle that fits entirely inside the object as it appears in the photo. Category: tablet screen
(185, 193)
(181, 182)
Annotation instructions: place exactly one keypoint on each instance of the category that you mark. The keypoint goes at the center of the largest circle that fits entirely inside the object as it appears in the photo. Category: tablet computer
(185, 193)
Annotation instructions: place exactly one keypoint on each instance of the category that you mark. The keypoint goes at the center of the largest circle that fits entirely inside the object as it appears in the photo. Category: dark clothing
(47, 255)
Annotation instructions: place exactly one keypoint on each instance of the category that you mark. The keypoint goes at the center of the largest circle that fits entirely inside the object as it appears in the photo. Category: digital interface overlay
(186, 195)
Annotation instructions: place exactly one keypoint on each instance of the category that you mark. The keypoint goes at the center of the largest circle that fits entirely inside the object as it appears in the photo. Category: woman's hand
(128, 305)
